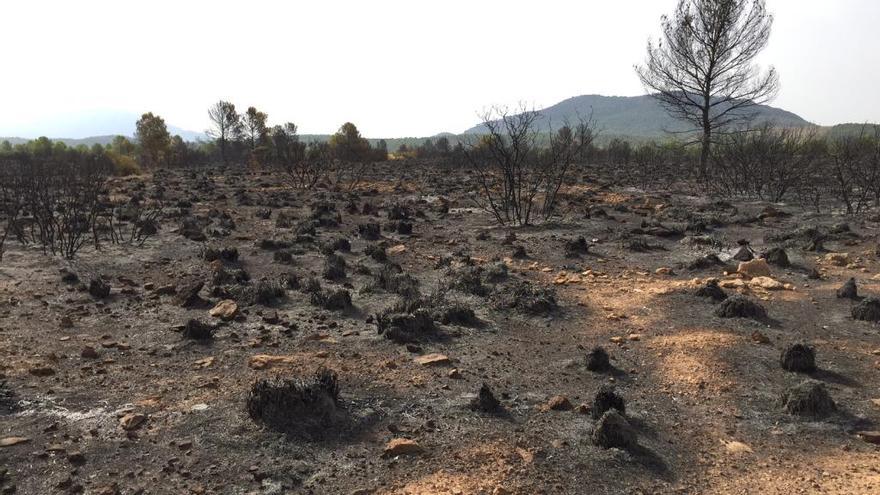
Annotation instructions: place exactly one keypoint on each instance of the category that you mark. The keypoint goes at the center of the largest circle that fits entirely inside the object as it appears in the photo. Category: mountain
(635, 116)
(91, 126)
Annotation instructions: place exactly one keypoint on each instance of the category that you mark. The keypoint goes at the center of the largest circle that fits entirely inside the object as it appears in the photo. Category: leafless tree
(512, 168)
(702, 70)
(227, 126)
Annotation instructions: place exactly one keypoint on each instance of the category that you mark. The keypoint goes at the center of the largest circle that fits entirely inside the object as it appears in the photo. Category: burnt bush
(606, 398)
(228, 254)
(848, 290)
(98, 288)
(711, 291)
(198, 330)
(800, 358)
(405, 328)
(598, 360)
(332, 300)
(574, 248)
(390, 278)
(526, 298)
(334, 267)
(370, 231)
(809, 399)
(613, 431)
(297, 406)
(485, 401)
(867, 310)
(740, 307)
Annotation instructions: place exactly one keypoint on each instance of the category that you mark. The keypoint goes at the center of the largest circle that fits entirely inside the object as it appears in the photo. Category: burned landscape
(270, 339)
(675, 291)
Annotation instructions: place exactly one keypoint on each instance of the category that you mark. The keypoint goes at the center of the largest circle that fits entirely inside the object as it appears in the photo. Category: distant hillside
(88, 126)
(636, 116)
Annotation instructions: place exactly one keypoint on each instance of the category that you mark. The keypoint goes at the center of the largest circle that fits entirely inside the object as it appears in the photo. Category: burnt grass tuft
(296, 406)
(711, 291)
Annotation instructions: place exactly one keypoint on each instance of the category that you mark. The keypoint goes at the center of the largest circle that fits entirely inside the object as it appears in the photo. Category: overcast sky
(394, 68)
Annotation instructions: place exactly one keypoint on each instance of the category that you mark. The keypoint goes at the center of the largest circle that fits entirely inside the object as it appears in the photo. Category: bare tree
(226, 126)
(702, 70)
(513, 170)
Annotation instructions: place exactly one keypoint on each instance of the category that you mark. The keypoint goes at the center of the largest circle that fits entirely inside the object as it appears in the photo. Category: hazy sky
(394, 68)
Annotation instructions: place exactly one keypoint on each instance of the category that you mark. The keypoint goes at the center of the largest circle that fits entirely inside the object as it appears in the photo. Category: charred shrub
(808, 399)
(198, 330)
(867, 310)
(485, 401)
(405, 328)
(598, 360)
(740, 307)
(527, 298)
(800, 358)
(332, 300)
(576, 247)
(391, 279)
(778, 257)
(267, 291)
(376, 252)
(295, 405)
(229, 254)
(613, 431)
(98, 288)
(334, 267)
(398, 212)
(711, 291)
(849, 290)
(606, 398)
(369, 231)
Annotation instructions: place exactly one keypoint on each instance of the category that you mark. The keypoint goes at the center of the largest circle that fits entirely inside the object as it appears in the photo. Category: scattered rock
(755, 268)
(12, 441)
(557, 403)
(432, 360)
(225, 310)
(837, 259)
(401, 446)
(132, 421)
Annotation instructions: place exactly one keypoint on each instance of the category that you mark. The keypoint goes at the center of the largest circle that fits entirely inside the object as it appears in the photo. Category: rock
(613, 431)
(755, 268)
(432, 359)
(89, 352)
(766, 283)
(225, 310)
(454, 373)
(557, 403)
(132, 421)
(398, 249)
(760, 338)
(867, 310)
(11, 441)
(664, 270)
(401, 446)
(735, 447)
(848, 290)
(188, 293)
(837, 259)
(263, 361)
